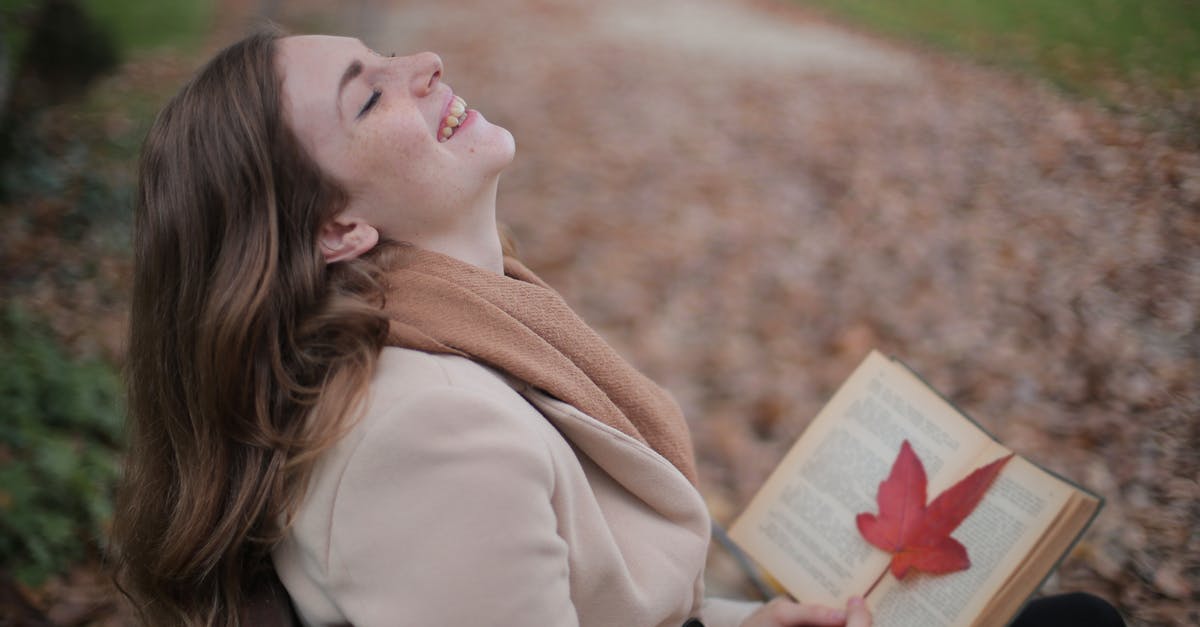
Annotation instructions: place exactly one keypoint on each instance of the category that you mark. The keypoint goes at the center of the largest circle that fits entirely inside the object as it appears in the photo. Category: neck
(476, 243)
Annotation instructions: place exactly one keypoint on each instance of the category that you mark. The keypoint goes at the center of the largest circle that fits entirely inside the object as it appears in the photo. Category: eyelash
(370, 102)
(374, 96)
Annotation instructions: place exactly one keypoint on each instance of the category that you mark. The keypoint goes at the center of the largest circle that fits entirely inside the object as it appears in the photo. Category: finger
(857, 614)
(792, 613)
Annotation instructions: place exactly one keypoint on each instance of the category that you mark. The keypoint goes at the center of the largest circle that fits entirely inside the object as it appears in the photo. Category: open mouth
(455, 116)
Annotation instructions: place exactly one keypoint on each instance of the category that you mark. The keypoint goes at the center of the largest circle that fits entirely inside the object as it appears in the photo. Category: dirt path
(745, 199)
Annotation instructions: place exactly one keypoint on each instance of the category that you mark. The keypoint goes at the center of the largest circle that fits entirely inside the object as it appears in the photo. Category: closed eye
(369, 104)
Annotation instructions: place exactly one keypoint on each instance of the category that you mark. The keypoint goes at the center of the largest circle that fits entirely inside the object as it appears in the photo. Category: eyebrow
(352, 71)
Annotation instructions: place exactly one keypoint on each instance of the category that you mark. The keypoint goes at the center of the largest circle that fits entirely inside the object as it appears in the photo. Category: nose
(426, 72)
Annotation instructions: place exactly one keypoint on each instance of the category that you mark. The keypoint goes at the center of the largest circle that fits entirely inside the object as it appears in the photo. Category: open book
(800, 526)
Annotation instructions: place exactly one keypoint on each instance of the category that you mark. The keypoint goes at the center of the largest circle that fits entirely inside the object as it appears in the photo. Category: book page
(800, 526)
(998, 535)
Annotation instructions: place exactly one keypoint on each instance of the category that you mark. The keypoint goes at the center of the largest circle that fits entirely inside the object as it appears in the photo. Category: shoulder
(425, 419)
(402, 370)
(444, 434)
(446, 454)
(419, 395)
(431, 425)
(436, 429)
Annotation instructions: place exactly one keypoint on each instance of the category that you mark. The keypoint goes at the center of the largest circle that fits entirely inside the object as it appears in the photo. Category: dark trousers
(1075, 608)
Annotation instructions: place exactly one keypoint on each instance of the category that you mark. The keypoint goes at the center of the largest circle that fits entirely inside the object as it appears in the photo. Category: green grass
(1087, 46)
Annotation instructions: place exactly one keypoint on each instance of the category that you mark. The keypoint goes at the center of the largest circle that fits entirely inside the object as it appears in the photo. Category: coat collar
(635, 466)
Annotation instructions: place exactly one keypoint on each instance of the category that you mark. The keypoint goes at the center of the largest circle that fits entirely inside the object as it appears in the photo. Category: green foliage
(1081, 44)
(59, 441)
(13, 15)
(140, 25)
(135, 25)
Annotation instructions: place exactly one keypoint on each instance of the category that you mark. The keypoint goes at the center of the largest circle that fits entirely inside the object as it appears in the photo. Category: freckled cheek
(395, 151)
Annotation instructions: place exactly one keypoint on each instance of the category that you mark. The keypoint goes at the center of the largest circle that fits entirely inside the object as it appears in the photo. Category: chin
(500, 147)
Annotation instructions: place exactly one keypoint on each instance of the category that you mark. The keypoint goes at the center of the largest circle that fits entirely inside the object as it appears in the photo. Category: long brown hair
(246, 350)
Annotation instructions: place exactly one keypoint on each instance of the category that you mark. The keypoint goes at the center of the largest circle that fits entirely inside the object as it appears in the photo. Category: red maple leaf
(918, 536)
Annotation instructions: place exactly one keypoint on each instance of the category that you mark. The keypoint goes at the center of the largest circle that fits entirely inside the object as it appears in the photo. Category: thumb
(857, 614)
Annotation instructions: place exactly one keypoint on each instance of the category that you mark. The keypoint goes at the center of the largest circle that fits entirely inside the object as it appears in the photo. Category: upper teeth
(456, 116)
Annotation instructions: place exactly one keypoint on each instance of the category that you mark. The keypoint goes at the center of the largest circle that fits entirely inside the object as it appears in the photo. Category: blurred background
(743, 196)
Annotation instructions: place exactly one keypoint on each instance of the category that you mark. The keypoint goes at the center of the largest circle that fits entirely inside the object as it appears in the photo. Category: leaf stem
(877, 580)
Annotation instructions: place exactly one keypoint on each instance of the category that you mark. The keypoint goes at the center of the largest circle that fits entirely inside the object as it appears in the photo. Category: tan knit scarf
(518, 324)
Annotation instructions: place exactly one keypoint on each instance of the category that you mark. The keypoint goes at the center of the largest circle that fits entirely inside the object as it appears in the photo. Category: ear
(346, 237)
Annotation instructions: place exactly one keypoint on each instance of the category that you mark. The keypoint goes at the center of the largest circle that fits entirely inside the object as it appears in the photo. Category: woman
(334, 368)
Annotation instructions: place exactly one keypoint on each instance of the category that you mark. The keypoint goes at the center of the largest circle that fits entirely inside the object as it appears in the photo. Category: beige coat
(463, 497)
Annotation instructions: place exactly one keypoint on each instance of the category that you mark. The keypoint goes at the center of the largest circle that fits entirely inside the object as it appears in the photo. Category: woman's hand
(784, 613)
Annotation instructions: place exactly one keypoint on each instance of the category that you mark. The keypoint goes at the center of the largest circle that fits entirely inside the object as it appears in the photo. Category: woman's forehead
(315, 52)
(312, 69)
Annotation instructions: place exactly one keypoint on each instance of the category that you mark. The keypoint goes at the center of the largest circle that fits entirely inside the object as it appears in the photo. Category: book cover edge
(1058, 562)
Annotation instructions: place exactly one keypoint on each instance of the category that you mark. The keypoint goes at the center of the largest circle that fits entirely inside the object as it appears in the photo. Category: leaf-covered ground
(745, 200)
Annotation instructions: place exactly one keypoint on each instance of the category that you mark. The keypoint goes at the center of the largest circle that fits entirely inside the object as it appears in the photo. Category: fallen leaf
(918, 536)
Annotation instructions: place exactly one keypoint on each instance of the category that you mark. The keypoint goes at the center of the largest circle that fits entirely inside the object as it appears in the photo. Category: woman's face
(378, 125)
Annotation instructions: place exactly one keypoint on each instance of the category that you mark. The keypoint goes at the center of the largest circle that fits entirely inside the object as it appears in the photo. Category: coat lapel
(635, 466)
